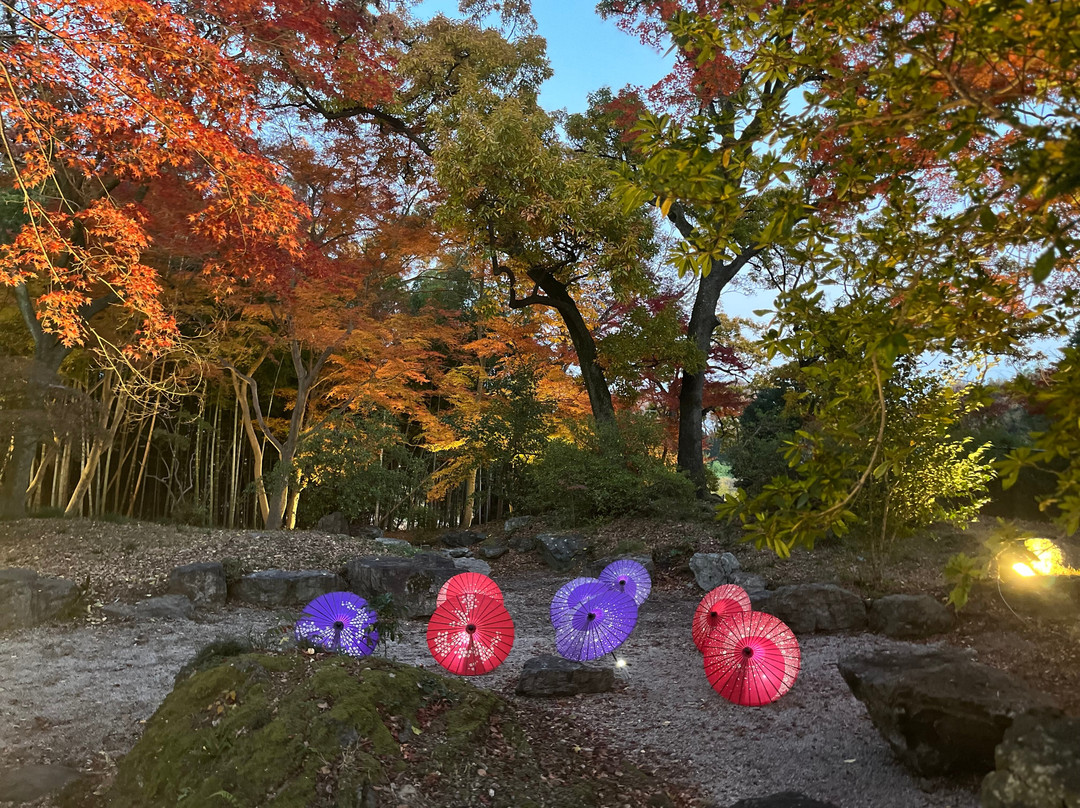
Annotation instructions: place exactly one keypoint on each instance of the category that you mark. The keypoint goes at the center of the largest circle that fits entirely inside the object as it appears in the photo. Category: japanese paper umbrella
(469, 583)
(717, 605)
(597, 625)
(570, 594)
(339, 621)
(751, 659)
(470, 634)
(630, 577)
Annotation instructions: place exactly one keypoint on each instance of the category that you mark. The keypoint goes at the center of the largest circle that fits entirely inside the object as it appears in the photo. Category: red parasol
(467, 583)
(751, 659)
(716, 606)
(470, 634)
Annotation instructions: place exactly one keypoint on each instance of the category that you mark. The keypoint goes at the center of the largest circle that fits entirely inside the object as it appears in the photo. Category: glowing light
(620, 663)
(1023, 569)
(1050, 559)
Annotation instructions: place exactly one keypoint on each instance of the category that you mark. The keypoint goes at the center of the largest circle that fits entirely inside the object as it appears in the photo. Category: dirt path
(77, 694)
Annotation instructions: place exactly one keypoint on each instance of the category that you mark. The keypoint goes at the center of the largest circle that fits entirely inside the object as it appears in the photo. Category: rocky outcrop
(203, 584)
(1038, 766)
(940, 711)
(551, 676)
(493, 547)
(472, 565)
(822, 608)
(412, 583)
(714, 569)
(909, 617)
(276, 588)
(561, 551)
(28, 599)
(165, 607)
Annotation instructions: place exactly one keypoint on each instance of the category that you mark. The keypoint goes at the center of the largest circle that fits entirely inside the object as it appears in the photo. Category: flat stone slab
(939, 710)
(28, 783)
(274, 588)
(551, 676)
(560, 551)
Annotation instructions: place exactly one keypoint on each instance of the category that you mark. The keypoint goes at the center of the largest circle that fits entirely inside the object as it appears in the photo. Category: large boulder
(335, 523)
(27, 599)
(204, 584)
(785, 799)
(549, 676)
(561, 551)
(461, 538)
(1038, 766)
(809, 608)
(275, 588)
(516, 523)
(714, 569)
(412, 583)
(939, 710)
(493, 547)
(165, 607)
(909, 616)
(359, 530)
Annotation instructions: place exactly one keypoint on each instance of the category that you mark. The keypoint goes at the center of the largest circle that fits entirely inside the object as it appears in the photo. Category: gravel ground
(76, 695)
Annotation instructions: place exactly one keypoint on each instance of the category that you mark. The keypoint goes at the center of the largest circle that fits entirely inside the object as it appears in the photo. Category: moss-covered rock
(292, 729)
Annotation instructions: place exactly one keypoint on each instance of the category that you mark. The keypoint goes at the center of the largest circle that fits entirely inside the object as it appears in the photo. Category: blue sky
(586, 52)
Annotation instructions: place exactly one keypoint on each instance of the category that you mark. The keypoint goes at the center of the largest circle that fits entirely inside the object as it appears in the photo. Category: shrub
(601, 473)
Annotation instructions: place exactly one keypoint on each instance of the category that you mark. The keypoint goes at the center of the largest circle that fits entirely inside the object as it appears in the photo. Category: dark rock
(461, 538)
(203, 584)
(809, 608)
(560, 550)
(786, 799)
(412, 583)
(596, 567)
(396, 544)
(940, 711)
(166, 607)
(713, 569)
(516, 523)
(493, 547)
(522, 542)
(551, 675)
(336, 523)
(21, 784)
(909, 616)
(457, 552)
(27, 599)
(118, 611)
(472, 565)
(274, 588)
(754, 584)
(1038, 766)
(370, 532)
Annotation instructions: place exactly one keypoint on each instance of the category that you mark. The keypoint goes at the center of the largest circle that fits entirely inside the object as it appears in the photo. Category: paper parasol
(339, 621)
(470, 634)
(716, 606)
(630, 577)
(752, 659)
(569, 595)
(469, 583)
(596, 626)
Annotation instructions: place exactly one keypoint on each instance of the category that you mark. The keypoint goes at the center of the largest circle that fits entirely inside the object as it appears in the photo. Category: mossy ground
(294, 730)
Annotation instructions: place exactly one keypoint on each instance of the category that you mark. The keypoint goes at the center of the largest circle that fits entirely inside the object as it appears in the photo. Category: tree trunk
(113, 406)
(700, 329)
(17, 474)
(470, 494)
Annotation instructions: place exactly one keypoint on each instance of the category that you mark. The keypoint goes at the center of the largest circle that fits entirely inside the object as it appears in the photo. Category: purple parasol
(596, 625)
(627, 575)
(569, 596)
(339, 621)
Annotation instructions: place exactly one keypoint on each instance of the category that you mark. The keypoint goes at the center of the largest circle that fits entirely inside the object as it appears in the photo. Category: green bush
(602, 473)
(756, 456)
